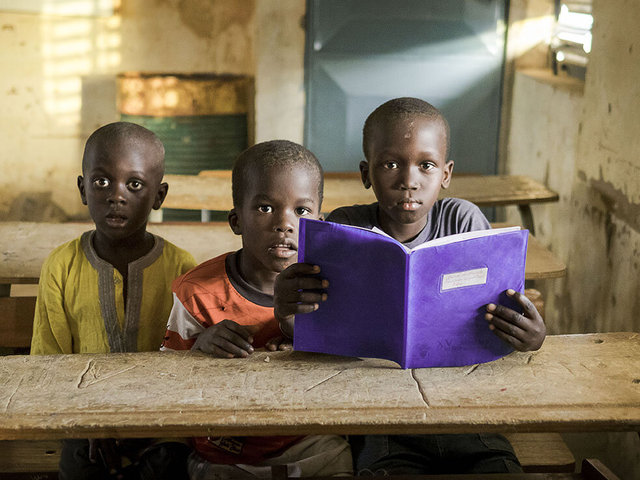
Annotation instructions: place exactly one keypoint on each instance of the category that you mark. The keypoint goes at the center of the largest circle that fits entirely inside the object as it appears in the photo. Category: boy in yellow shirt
(110, 289)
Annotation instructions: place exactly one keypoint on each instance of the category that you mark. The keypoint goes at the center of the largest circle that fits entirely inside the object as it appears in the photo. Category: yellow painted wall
(58, 81)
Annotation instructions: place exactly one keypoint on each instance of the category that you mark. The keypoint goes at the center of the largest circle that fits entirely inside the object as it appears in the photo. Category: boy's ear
(448, 173)
(234, 222)
(83, 195)
(163, 189)
(364, 174)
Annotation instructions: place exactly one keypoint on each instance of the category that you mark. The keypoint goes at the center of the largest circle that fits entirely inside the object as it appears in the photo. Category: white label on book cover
(477, 276)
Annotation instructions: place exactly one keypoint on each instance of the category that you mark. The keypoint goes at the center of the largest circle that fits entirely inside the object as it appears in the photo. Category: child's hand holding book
(524, 331)
(298, 289)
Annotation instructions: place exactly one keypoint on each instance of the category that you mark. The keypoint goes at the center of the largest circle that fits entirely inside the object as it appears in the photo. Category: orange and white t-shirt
(209, 293)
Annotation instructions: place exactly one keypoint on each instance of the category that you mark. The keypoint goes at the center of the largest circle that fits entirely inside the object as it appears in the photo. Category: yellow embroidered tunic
(80, 306)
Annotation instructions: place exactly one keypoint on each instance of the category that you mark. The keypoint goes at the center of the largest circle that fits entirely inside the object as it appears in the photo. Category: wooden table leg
(527, 217)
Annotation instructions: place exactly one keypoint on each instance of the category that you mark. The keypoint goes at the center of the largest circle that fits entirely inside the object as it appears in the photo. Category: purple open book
(420, 308)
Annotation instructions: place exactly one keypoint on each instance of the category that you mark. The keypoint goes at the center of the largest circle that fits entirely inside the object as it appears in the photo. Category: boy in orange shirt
(224, 307)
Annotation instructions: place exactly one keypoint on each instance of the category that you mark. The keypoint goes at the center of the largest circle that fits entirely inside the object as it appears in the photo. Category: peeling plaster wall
(58, 81)
(586, 146)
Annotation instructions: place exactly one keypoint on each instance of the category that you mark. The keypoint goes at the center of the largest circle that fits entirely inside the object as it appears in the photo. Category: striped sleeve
(182, 328)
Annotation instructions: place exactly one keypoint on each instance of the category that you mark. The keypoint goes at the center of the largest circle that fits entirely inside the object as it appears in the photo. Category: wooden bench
(29, 459)
(211, 190)
(537, 453)
(592, 469)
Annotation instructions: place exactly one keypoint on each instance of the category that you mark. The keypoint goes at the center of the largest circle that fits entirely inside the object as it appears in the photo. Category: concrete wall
(583, 142)
(586, 146)
(58, 82)
(279, 72)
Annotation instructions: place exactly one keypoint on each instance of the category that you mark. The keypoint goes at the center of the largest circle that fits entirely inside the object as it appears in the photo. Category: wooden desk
(211, 190)
(24, 246)
(573, 383)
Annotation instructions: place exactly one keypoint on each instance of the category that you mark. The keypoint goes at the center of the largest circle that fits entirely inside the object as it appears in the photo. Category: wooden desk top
(24, 247)
(211, 190)
(573, 383)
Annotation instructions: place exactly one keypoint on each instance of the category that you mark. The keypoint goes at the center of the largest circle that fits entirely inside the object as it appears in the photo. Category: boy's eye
(427, 165)
(265, 208)
(134, 185)
(101, 182)
(390, 165)
(301, 211)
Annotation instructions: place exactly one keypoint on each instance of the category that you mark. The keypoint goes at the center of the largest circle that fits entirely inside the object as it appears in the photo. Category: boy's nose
(116, 196)
(409, 180)
(284, 223)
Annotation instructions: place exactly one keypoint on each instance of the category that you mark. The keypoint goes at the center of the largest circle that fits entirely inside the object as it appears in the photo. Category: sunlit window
(571, 41)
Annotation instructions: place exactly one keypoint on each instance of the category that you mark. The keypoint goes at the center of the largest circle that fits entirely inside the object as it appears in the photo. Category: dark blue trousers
(432, 454)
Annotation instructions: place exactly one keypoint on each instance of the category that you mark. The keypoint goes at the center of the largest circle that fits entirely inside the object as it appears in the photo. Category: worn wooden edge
(515, 201)
(217, 186)
(279, 422)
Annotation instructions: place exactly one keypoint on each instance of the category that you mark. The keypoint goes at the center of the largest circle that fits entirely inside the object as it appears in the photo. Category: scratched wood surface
(211, 190)
(574, 383)
(24, 247)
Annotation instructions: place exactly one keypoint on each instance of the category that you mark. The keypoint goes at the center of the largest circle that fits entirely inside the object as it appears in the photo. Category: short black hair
(266, 155)
(402, 108)
(107, 135)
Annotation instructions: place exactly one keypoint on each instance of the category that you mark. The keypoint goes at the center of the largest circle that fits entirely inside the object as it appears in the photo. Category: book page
(459, 237)
(364, 314)
(449, 287)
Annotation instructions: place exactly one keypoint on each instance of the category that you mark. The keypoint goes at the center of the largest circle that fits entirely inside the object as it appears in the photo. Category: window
(571, 42)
